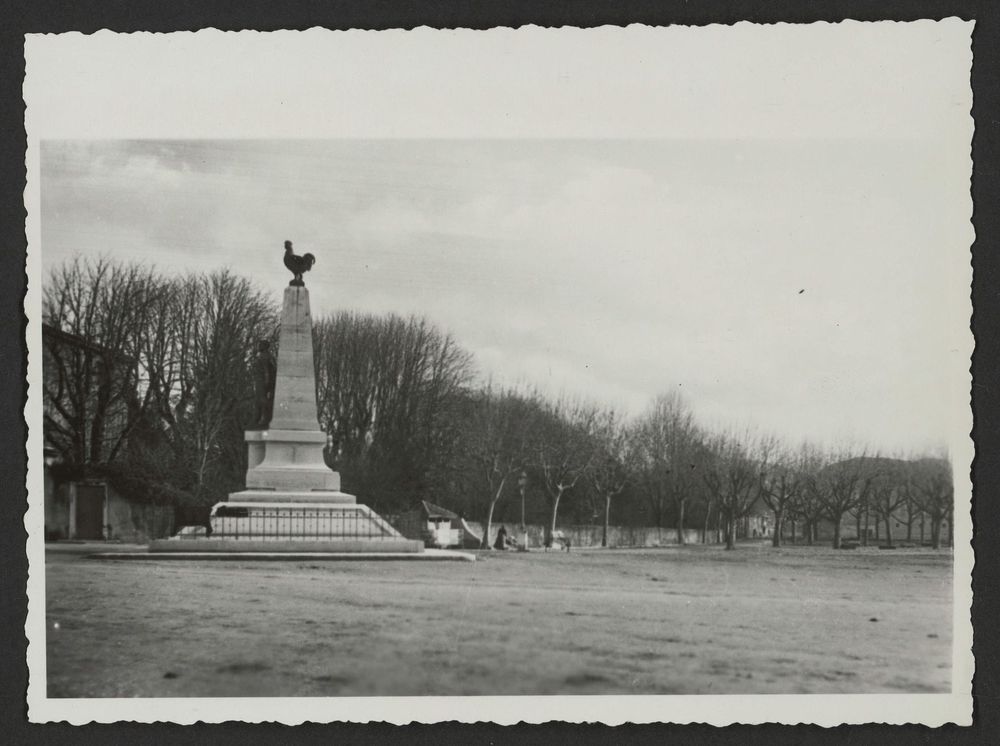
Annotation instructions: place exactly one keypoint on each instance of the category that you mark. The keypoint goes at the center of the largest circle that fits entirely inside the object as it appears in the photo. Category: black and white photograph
(512, 375)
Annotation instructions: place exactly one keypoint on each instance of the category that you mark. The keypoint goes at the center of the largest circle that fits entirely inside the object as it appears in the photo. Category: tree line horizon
(148, 382)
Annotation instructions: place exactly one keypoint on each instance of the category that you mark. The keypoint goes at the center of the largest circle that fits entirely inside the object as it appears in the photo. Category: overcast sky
(792, 252)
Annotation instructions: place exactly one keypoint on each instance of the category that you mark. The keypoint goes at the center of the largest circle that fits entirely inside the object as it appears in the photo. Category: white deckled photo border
(320, 84)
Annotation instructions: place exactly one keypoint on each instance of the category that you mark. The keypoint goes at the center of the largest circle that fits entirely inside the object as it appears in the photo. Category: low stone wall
(137, 522)
(56, 510)
(121, 520)
(590, 536)
(628, 536)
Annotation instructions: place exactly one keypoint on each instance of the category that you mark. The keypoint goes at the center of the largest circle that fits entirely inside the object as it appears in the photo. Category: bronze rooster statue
(297, 264)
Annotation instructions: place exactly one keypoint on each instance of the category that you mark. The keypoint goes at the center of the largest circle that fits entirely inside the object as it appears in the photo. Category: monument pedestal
(293, 501)
(289, 459)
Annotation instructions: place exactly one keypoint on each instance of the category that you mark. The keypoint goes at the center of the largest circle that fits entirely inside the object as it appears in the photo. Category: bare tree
(94, 313)
(233, 316)
(144, 374)
(198, 375)
(783, 486)
(842, 485)
(806, 505)
(563, 449)
(613, 464)
(735, 476)
(388, 390)
(935, 493)
(888, 492)
(911, 508)
(167, 352)
(496, 446)
(668, 450)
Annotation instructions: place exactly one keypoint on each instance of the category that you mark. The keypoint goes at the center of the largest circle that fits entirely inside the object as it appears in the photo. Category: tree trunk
(555, 513)
(680, 522)
(864, 536)
(935, 532)
(704, 530)
(776, 539)
(485, 543)
(792, 526)
(808, 528)
(607, 520)
(836, 532)
(731, 532)
(857, 525)
(878, 531)
(921, 528)
(888, 531)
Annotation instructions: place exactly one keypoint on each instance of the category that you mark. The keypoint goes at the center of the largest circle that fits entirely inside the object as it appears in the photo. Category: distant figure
(567, 543)
(297, 264)
(501, 542)
(548, 540)
(264, 375)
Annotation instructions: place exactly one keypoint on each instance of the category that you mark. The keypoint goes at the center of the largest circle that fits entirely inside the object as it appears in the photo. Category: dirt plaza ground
(694, 620)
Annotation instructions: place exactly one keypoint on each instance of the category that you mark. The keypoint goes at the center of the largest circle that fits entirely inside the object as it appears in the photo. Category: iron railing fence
(304, 524)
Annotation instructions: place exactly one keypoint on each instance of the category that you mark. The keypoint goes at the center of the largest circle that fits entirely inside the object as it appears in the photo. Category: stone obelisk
(285, 461)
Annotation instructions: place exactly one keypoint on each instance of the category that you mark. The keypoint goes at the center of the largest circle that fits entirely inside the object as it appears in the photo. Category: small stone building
(431, 524)
(92, 510)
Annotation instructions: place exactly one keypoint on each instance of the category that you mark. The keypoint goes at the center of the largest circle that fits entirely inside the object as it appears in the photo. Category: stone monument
(292, 501)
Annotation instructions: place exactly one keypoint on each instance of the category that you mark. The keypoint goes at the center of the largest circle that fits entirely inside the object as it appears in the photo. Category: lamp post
(765, 486)
(522, 483)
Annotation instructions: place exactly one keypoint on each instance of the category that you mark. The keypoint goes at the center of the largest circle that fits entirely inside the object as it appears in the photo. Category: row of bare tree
(667, 466)
(147, 376)
(147, 379)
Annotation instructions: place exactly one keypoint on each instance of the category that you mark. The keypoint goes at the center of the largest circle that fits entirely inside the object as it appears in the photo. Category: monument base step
(209, 545)
(430, 555)
(329, 497)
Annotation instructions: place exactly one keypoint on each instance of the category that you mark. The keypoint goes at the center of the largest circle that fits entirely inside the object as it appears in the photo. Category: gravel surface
(693, 620)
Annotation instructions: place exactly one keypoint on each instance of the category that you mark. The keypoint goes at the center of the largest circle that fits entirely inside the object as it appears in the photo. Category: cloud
(611, 269)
